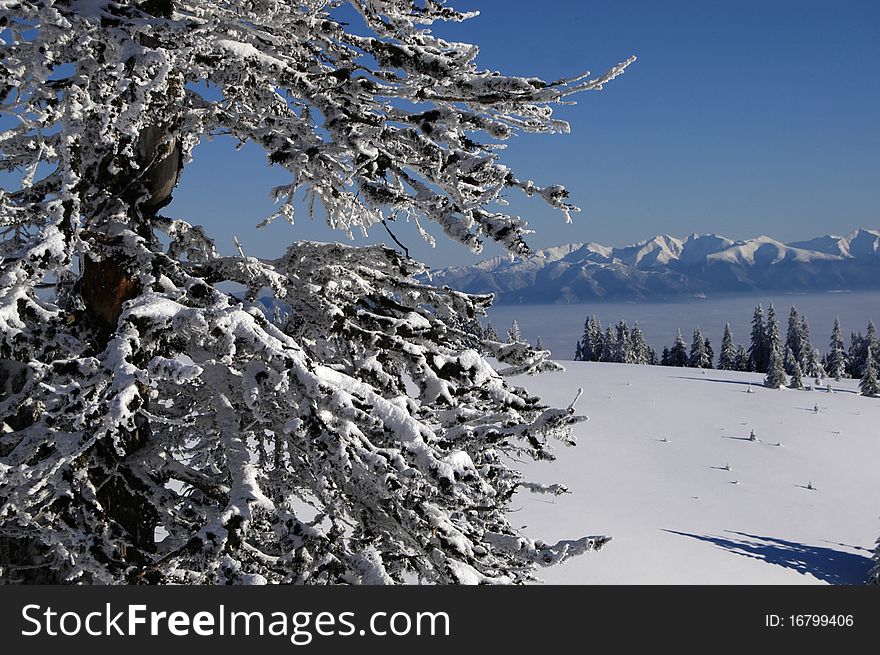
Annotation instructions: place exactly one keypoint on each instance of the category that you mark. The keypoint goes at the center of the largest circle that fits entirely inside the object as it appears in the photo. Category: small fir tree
(773, 338)
(758, 354)
(797, 377)
(491, 334)
(835, 362)
(608, 345)
(741, 359)
(641, 351)
(513, 333)
(698, 357)
(794, 336)
(727, 358)
(807, 349)
(678, 355)
(775, 378)
(623, 353)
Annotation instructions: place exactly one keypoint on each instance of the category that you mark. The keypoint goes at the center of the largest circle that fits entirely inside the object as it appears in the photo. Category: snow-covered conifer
(144, 400)
(797, 377)
(514, 335)
(727, 357)
(623, 351)
(814, 366)
(609, 346)
(773, 338)
(592, 343)
(789, 360)
(698, 357)
(835, 360)
(678, 354)
(586, 353)
(855, 356)
(864, 348)
(741, 359)
(775, 378)
(807, 349)
(759, 355)
(868, 384)
(794, 336)
(491, 334)
(641, 351)
(538, 344)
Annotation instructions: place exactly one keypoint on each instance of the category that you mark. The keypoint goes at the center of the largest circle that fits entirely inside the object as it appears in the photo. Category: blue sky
(742, 118)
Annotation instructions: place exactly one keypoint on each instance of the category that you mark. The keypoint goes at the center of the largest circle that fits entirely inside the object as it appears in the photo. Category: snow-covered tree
(868, 384)
(491, 334)
(710, 353)
(814, 366)
(789, 360)
(794, 336)
(514, 335)
(473, 327)
(698, 357)
(727, 357)
(759, 355)
(538, 343)
(159, 429)
(855, 355)
(641, 351)
(775, 378)
(797, 377)
(678, 354)
(835, 360)
(623, 352)
(807, 349)
(863, 348)
(609, 344)
(742, 358)
(592, 344)
(773, 337)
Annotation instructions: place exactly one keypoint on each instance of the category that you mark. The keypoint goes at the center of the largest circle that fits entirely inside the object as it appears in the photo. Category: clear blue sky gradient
(740, 117)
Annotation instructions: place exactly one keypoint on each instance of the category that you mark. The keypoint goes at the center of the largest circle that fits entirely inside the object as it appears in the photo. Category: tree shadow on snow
(718, 380)
(826, 564)
(756, 385)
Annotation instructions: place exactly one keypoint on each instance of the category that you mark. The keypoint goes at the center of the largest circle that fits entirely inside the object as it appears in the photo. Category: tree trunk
(105, 285)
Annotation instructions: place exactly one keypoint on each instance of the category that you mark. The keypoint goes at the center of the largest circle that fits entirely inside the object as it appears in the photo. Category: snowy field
(675, 514)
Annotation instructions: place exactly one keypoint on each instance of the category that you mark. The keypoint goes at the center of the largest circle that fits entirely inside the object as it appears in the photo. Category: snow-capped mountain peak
(667, 266)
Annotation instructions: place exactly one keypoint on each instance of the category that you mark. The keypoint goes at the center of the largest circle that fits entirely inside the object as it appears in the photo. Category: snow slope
(675, 515)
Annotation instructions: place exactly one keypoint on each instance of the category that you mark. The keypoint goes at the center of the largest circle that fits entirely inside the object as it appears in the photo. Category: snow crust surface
(649, 470)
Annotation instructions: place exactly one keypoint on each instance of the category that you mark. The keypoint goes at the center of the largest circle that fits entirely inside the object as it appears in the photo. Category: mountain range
(666, 266)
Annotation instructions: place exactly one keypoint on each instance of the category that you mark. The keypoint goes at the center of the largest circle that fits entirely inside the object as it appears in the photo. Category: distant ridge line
(666, 266)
